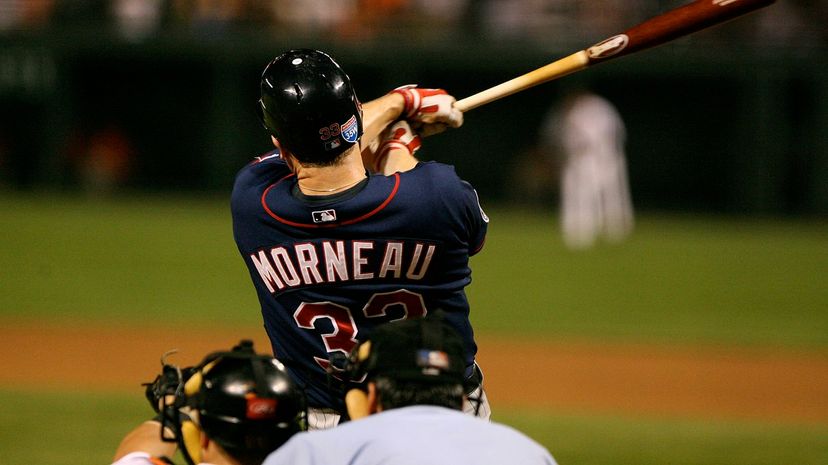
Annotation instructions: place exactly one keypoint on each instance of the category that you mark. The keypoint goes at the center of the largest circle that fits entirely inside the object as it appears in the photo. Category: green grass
(598, 440)
(146, 259)
(47, 428)
(679, 278)
(172, 260)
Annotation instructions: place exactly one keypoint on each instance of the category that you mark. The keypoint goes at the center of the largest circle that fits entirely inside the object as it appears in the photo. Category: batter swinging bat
(663, 28)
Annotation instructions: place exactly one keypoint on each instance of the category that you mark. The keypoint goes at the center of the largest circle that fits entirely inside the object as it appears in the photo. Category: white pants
(595, 201)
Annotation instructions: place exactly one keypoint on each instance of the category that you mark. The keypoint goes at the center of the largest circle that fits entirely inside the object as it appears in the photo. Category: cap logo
(260, 409)
(431, 361)
(324, 216)
(350, 130)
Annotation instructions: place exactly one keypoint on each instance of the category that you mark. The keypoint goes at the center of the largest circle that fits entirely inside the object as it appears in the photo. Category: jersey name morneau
(329, 261)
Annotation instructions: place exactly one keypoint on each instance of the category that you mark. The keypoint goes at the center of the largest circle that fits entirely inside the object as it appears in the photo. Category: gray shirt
(418, 435)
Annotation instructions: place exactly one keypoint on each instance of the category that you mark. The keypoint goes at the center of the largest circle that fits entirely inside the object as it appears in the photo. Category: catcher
(233, 408)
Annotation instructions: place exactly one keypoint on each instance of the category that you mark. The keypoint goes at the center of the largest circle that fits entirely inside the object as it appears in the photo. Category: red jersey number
(343, 336)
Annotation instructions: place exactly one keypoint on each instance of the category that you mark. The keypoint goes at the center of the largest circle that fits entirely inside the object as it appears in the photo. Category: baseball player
(234, 408)
(409, 412)
(595, 194)
(343, 229)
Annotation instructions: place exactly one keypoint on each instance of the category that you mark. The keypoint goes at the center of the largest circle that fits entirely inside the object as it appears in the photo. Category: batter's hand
(400, 136)
(398, 144)
(429, 107)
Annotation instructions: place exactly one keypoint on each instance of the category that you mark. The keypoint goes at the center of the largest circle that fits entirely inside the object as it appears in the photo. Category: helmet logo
(260, 409)
(350, 130)
(330, 136)
(333, 144)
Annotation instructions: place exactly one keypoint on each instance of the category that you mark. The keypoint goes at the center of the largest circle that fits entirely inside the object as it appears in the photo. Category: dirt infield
(566, 377)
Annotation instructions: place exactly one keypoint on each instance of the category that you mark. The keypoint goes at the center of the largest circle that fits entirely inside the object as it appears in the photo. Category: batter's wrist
(396, 104)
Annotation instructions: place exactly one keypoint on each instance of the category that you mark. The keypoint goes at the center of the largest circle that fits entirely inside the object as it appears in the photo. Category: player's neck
(315, 180)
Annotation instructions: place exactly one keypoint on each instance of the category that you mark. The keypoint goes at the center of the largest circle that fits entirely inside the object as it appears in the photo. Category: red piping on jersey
(330, 225)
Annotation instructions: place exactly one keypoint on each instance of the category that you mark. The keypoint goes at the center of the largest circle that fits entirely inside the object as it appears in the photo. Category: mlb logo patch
(432, 359)
(324, 216)
(350, 130)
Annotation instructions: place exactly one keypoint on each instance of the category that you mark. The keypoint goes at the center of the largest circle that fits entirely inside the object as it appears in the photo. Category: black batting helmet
(309, 105)
(245, 402)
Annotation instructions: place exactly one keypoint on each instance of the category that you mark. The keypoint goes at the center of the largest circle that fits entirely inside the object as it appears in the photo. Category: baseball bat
(658, 30)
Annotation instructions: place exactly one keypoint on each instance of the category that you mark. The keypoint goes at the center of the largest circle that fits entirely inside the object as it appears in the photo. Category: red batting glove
(397, 136)
(429, 106)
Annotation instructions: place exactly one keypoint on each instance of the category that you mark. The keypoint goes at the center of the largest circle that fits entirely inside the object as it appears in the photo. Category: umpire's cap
(424, 350)
(309, 105)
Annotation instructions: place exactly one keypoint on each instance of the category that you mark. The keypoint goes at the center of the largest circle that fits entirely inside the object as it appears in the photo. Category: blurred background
(104, 95)
(123, 123)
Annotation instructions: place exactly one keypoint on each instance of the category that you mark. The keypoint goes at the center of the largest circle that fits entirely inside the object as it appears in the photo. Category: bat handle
(567, 65)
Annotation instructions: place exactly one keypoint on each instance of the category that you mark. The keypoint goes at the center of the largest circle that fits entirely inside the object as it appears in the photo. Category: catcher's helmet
(309, 105)
(245, 402)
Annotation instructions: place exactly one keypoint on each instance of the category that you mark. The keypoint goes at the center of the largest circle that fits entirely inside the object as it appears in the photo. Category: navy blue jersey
(328, 269)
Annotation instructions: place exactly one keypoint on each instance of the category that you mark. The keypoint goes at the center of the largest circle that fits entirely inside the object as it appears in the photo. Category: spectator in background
(553, 22)
(316, 15)
(367, 19)
(137, 19)
(102, 161)
(588, 133)
(521, 19)
(211, 17)
(792, 23)
(25, 14)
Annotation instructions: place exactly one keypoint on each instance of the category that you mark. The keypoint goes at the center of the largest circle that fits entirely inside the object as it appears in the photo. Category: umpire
(410, 409)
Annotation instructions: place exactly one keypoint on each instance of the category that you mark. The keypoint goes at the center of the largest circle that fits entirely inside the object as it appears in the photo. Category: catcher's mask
(243, 401)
